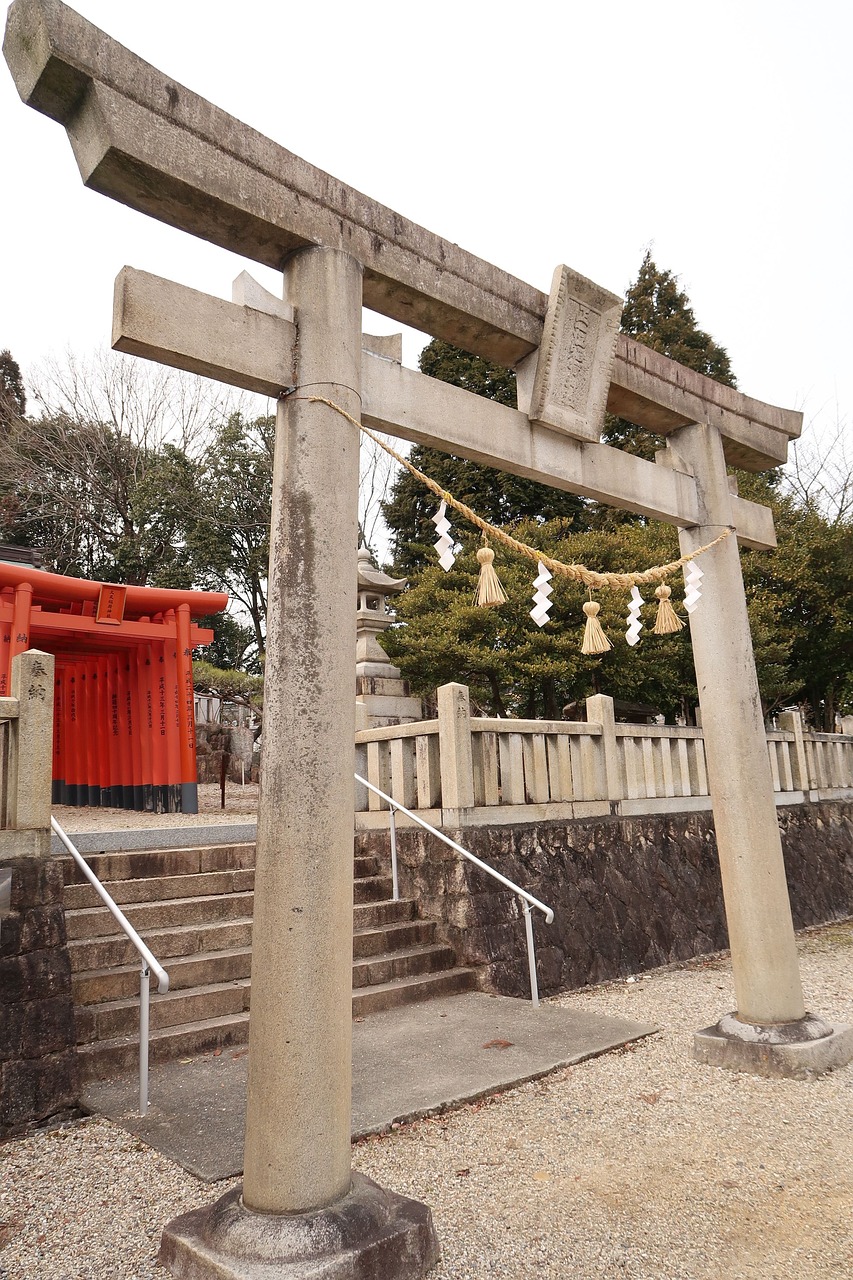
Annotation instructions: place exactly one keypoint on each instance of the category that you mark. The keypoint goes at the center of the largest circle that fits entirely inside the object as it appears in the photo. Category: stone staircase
(193, 908)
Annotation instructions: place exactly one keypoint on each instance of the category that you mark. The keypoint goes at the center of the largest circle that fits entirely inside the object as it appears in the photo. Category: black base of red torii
(124, 711)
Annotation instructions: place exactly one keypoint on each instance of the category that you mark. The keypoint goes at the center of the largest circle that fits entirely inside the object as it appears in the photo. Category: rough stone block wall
(213, 740)
(38, 1055)
(628, 893)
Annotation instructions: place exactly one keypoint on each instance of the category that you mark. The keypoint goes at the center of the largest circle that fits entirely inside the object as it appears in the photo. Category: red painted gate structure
(124, 723)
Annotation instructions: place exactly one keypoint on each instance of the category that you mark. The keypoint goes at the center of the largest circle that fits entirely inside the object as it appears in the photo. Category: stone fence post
(456, 755)
(792, 722)
(599, 710)
(31, 745)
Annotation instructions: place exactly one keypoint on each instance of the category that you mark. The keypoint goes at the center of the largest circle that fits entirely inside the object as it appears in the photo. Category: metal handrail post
(528, 902)
(531, 952)
(393, 830)
(477, 862)
(149, 962)
(144, 1004)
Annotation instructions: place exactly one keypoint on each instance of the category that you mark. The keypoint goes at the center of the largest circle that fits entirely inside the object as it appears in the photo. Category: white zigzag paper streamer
(693, 576)
(444, 545)
(541, 597)
(635, 626)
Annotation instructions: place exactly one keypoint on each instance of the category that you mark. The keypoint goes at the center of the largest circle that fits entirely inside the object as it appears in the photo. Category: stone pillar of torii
(150, 143)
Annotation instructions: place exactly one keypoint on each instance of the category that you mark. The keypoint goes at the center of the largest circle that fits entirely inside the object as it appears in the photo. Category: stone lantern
(380, 689)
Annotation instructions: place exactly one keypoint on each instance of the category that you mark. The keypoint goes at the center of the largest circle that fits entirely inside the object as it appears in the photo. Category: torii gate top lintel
(156, 146)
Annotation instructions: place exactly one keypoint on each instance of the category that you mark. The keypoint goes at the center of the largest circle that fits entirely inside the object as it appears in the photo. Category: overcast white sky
(531, 134)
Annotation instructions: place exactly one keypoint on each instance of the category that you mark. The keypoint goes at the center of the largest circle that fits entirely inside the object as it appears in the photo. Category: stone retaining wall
(628, 893)
(38, 1055)
(213, 740)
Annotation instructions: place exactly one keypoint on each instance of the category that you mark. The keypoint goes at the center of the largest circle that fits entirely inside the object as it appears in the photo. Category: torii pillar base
(799, 1050)
(371, 1234)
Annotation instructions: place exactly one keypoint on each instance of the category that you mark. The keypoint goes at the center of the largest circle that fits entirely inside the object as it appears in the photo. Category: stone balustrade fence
(464, 770)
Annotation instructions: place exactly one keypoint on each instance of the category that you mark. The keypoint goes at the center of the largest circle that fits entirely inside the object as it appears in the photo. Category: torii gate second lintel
(152, 144)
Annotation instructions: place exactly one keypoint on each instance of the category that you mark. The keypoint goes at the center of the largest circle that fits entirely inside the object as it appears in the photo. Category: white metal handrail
(149, 963)
(528, 902)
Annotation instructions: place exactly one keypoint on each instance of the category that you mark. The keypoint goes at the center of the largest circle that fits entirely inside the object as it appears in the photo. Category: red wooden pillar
(21, 620)
(93, 729)
(134, 727)
(159, 768)
(145, 721)
(161, 715)
(72, 734)
(89, 732)
(57, 794)
(104, 728)
(7, 605)
(116, 738)
(186, 710)
(173, 723)
(125, 721)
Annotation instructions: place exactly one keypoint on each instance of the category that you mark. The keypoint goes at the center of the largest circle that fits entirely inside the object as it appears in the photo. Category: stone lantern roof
(372, 579)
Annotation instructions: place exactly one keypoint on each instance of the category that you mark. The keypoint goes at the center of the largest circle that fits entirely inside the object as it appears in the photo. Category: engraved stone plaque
(576, 356)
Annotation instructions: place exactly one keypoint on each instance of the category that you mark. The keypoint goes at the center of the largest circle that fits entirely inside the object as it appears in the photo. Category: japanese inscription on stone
(576, 357)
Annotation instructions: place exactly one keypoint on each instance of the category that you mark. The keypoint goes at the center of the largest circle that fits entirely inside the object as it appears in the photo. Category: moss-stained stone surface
(628, 894)
(38, 1057)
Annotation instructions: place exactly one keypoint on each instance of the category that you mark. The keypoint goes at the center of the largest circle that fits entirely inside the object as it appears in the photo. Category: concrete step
(372, 889)
(146, 864)
(118, 1018)
(155, 919)
(407, 962)
(94, 922)
(193, 908)
(120, 982)
(121, 1054)
(408, 933)
(107, 1003)
(427, 986)
(371, 915)
(369, 866)
(80, 894)
(92, 986)
(187, 940)
(101, 1059)
(200, 884)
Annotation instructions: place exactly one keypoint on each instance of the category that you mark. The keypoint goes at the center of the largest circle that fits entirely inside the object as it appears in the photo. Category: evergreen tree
(514, 667)
(13, 400)
(658, 314)
(496, 495)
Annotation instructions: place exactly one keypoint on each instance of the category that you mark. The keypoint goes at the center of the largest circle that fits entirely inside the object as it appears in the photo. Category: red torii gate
(124, 722)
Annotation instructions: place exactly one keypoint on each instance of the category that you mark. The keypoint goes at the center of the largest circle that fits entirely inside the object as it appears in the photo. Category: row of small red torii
(124, 710)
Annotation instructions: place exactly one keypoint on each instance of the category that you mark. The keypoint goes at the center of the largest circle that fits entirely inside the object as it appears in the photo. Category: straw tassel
(489, 590)
(594, 639)
(667, 620)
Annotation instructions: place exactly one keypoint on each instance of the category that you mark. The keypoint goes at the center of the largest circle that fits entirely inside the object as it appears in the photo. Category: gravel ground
(640, 1164)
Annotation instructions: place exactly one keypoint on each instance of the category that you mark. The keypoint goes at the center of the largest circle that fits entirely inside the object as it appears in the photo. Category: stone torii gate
(148, 142)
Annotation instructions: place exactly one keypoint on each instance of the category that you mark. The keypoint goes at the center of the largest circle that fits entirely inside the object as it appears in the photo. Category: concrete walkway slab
(128, 839)
(407, 1062)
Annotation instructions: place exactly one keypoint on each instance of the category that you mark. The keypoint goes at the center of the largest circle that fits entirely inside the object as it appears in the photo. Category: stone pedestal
(370, 1234)
(796, 1050)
